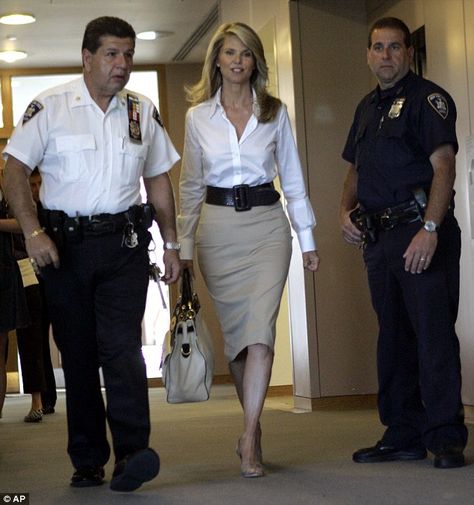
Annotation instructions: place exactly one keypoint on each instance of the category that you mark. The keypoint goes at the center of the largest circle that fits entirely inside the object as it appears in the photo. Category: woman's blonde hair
(211, 78)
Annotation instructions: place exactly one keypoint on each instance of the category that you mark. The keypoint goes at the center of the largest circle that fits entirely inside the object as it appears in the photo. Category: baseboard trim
(157, 382)
(469, 414)
(13, 382)
(285, 390)
(348, 402)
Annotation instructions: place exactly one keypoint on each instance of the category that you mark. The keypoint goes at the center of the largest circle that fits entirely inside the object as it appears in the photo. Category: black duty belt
(59, 223)
(243, 197)
(404, 213)
(370, 223)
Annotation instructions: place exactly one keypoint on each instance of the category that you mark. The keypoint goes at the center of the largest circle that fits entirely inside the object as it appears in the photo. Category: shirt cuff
(306, 240)
(187, 249)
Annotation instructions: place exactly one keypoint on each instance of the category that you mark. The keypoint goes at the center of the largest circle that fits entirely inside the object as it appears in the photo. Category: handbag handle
(186, 288)
(188, 301)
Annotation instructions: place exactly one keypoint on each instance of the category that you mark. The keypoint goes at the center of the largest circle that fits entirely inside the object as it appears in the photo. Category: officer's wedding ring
(422, 259)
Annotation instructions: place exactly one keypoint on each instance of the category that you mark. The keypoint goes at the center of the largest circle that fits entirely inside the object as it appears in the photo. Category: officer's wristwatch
(430, 226)
(174, 246)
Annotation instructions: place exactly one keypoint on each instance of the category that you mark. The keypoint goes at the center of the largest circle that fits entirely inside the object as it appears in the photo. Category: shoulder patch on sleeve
(32, 110)
(439, 104)
(156, 116)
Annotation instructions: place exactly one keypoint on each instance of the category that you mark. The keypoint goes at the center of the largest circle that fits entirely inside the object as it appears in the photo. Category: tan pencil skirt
(244, 258)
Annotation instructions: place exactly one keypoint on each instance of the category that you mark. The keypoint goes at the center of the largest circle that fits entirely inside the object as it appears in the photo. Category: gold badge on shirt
(396, 108)
(134, 131)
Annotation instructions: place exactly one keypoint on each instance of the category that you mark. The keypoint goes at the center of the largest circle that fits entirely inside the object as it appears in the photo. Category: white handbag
(188, 367)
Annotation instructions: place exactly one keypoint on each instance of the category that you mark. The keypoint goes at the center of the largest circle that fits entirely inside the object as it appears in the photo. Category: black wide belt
(243, 197)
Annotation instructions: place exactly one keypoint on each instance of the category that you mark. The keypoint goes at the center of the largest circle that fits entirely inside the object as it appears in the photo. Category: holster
(364, 222)
(371, 223)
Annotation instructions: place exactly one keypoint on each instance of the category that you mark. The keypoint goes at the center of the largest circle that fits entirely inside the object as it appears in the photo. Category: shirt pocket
(74, 154)
(132, 157)
(392, 128)
(358, 144)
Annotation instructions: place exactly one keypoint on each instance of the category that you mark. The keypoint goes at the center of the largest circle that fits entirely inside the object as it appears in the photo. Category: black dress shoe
(48, 409)
(449, 457)
(88, 476)
(135, 469)
(381, 452)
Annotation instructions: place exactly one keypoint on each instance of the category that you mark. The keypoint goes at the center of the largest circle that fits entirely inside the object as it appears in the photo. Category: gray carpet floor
(307, 457)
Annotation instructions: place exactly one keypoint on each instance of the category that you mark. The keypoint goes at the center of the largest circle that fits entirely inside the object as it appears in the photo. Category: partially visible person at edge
(401, 149)
(238, 139)
(13, 309)
(49, 396)
(33, 340)
(93, 140)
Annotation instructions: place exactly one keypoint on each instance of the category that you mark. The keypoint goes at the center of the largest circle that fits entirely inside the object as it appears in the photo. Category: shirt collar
(80, 95)
(216, 102)
(381, 94)
(397, 89)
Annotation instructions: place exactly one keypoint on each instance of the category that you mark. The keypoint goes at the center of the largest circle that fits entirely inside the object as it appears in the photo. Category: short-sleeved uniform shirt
(393, 135)
(90, 161)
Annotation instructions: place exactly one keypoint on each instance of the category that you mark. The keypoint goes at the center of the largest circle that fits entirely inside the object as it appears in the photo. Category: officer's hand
(42, 251)
(189, 265)
(350, 232)
(311, 260)
(172, 266)
(420, 252)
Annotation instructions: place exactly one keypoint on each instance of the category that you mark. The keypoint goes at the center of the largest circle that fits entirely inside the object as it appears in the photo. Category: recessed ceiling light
(153, 35)
(12, 56)
(17, 19)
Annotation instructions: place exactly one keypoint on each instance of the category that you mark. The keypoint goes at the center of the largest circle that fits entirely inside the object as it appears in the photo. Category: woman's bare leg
(251, 372)
(36, 403)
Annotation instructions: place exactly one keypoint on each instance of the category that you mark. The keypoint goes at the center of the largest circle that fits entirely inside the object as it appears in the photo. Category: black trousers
(419, 369)
(33, 346)
(96, 301)
(48, 397)
(30, 344)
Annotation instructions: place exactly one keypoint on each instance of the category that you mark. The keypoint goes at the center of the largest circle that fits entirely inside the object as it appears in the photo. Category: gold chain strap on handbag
(187, 305)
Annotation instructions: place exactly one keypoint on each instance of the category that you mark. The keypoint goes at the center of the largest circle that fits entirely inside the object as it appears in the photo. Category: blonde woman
(238, 140)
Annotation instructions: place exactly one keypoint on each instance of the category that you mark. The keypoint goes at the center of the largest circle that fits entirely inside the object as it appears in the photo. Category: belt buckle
(98, 227)
(386, 220)
(241, 197)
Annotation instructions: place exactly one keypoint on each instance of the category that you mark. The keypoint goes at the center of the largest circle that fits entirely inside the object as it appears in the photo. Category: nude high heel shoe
(249, 470)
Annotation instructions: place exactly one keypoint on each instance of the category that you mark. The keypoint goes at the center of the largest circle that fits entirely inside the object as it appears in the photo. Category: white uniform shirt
(214, 156)
(88, 162)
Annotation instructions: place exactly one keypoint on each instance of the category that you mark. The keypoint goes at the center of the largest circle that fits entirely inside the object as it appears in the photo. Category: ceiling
(54, 40)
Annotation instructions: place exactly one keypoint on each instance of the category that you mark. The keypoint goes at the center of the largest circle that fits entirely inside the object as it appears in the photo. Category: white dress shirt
(88, 162)
(214, 156)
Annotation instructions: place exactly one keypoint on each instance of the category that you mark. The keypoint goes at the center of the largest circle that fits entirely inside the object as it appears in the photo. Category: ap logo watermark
(23, 498)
